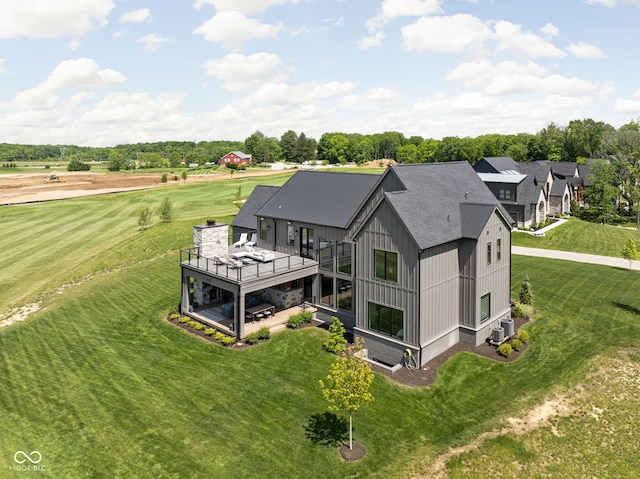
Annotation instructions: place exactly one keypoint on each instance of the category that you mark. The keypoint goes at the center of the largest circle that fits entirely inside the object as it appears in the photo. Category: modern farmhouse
(416, 259)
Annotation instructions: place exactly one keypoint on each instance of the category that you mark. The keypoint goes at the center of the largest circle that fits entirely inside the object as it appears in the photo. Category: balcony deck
(251, 270)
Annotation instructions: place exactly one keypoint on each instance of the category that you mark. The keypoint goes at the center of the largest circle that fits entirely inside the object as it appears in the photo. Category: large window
(291, 234)
(306, 242)
(326, 254)
(263, 229)
(344, 294)
(344, 258)
(489, 252)
(326, 290)
(485, 307)
(385, 265)
(386, 320)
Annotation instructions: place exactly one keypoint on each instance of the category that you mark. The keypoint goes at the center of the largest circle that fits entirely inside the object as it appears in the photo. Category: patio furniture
(252, 242)
(241, 241)
(261, 311)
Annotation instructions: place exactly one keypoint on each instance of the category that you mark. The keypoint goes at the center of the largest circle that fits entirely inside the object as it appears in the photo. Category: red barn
(236, 157)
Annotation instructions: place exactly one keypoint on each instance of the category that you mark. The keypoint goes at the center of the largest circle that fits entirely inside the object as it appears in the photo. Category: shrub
(264, 333)
(336, 342)
(516, 344)
(184, 319)
(209, 332)
(505, 349)
(228, 340)
(193, 324)
(164, 178)
(199, 327)
(523, 336)
(297, 320)
(523, 311)
(219, 336)
(166, 210)
(174, 315)
(252, 338)
(526, 294)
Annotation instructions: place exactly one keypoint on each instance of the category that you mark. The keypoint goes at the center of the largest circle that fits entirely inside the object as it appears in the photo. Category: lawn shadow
(327, 429)
(626, 307)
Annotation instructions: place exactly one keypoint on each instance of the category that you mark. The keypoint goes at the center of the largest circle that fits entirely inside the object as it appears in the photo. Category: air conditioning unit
(507, 324)
(497, 334)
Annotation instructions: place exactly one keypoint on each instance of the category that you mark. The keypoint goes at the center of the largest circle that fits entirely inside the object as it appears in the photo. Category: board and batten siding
(277, 235)
(494, 278)
(384, 231)
(439, 291)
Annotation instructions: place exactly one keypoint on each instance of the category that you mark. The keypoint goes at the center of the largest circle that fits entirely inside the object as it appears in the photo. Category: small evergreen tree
(630, 252)
(184, 175)
(144, 220)
(526, 295)
(336, 343)
(164, 178)
(166, 210)
(348, 383)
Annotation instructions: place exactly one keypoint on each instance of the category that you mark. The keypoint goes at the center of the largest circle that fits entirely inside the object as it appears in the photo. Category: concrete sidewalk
(578, 257)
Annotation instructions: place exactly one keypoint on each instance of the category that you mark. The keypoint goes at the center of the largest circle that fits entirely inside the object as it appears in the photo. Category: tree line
(577, 141)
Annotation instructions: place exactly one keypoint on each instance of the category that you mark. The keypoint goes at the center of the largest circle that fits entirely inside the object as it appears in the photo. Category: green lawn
(582, 237)
(101, 386)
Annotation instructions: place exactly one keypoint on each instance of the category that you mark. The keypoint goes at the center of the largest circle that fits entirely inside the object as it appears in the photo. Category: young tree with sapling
(348, 383)
(630, 252)
(166, 210)
(144, 220)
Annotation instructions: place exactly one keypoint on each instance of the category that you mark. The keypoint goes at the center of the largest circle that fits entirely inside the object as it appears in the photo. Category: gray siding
(384, 231)
(494, 278)
(468, 271)
(439, 291)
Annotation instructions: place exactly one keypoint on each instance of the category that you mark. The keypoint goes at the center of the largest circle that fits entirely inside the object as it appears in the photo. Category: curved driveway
(579, 257)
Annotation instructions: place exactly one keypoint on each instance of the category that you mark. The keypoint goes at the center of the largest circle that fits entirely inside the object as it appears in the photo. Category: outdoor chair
(241, 241)
(250, 244)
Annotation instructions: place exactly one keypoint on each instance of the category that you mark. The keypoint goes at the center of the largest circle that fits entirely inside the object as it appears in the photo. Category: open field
(100, 385)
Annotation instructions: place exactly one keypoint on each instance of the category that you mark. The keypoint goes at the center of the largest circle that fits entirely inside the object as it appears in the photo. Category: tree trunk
(350, 430)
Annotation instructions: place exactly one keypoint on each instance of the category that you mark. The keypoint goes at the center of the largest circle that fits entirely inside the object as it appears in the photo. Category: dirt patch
(19, 314)
(35, 187)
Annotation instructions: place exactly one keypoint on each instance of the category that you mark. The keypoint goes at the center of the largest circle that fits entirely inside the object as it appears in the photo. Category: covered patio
(239, 297)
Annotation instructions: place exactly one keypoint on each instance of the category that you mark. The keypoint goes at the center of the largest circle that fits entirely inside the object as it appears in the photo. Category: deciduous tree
(348, 383)
(630, 252)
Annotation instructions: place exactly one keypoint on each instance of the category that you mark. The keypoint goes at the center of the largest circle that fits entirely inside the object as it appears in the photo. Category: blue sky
(106, 72)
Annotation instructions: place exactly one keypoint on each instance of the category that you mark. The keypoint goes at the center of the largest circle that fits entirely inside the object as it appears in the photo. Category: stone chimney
(211, 239)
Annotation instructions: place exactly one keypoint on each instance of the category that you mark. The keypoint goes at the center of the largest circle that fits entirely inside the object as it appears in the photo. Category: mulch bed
(357, 451)
(426, 375)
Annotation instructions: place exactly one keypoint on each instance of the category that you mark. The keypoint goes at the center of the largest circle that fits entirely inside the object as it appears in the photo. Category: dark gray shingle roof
(246, 217)
(432, 207)
(496, 164)
(322, 198)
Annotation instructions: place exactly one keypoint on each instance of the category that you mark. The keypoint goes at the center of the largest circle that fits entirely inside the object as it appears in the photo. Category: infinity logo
(35, 457)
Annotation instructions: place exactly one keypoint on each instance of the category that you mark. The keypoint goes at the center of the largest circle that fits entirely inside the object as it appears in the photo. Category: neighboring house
(235, 157)
(417, 259)
(532, 191)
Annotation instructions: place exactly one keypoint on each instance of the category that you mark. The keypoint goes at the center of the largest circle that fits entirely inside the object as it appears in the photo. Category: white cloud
(152, 41)
(282, 94)
(73, 45)
(372, 100)
(33, 99)
(392, 9)
(81, 74)
(627, 106)
(445, 34)
(557, 84)
(374, 41)
(245, 6)
(232, 29)
(513, 39)
(478, 72)
(585, 50)
(51, 19)
(2, 67)
(239, 72)
(550, 30)
(613, 3)
(135, 16)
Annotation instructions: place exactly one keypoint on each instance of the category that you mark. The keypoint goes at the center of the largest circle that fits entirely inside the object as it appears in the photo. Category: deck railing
(238, 272)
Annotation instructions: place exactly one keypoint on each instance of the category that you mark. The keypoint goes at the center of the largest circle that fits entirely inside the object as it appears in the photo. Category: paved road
(579, 257)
